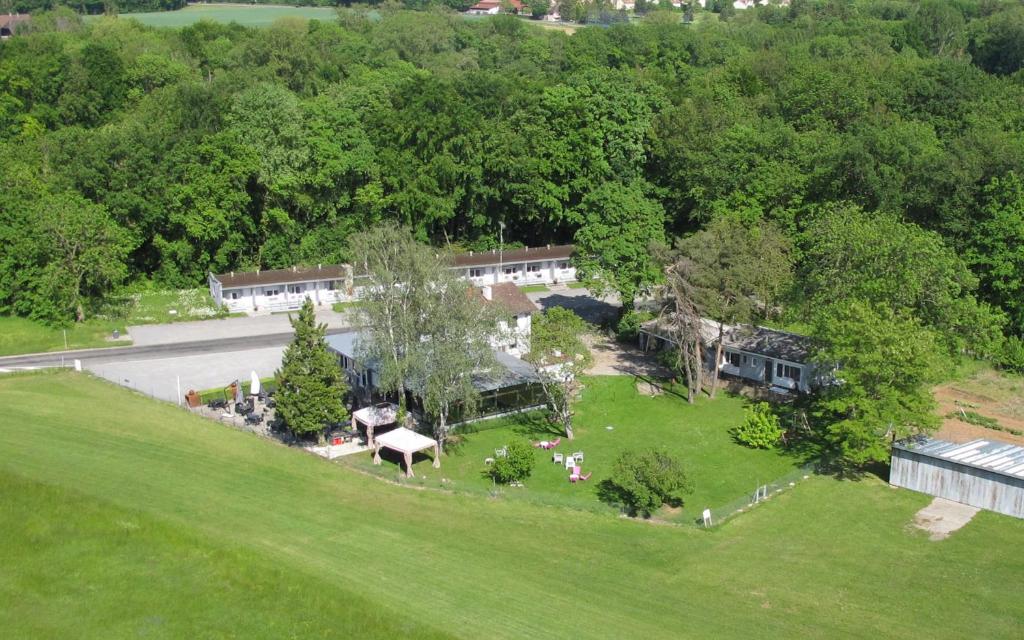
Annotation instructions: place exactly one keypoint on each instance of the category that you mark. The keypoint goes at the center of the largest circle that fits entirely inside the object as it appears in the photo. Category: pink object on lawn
(586, 476)
(576, 471)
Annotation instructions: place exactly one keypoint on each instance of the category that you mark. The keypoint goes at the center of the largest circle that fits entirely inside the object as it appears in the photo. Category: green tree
(540, 8)
(642, 481)
(734, 273)
(310, 387)
(760, 428)
(849, 254)
(613, 245)
(996, 250)
(558, 350)
(455, 349)
(884, 364)
(516, 465)
(937, 27)
(398, 271)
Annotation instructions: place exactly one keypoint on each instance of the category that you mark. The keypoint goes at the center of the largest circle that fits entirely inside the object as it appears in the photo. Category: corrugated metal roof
(1006, 459)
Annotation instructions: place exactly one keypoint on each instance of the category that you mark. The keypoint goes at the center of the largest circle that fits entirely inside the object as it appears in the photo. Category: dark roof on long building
(509, 256)
(762, 341)
(281, 276)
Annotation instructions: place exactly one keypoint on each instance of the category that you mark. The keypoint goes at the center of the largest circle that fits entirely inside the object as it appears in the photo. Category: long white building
(284, 289)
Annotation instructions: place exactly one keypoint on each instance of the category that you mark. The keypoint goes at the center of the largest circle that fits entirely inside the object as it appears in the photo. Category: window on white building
(510, 271)
(733, 358)
(564, 264)
(272, 292)
(295, 288)
(533, 268)
(476, 273)
(234, 295)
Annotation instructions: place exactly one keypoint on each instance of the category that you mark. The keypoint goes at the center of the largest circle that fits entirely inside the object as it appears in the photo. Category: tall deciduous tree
(734, 273)
(997, 247)
(396, 273)
(884, 364)
(81, 253)
(849, 254)
(310, 386)
(458, 326)
(561, 355)
(619, 225)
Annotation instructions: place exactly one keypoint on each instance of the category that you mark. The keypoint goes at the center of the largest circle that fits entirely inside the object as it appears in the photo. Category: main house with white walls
(286, 289)
(513, 335)
(531, 265)
(282, 289)
(777, 359)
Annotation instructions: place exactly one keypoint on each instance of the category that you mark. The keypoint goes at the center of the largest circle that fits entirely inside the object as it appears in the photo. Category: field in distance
(247, 15)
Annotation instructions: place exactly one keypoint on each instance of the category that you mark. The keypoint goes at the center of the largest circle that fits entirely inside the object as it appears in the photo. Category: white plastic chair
(558, 458)
(579, 456)
(570, 462)
(501, 453)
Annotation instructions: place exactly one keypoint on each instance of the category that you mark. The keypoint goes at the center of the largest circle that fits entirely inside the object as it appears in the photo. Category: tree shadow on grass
(536, 424)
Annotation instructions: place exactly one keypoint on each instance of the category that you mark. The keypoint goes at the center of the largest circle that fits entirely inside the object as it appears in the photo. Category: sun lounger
(586, 476)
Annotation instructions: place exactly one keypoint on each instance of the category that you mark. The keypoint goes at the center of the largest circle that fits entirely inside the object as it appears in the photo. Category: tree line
(170, 153)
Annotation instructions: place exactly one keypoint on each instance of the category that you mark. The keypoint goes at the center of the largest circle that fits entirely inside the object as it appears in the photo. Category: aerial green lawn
(698, 435)
(121, 516)
(576, 285)
(534, 288)
(20, 335)
(249, 16)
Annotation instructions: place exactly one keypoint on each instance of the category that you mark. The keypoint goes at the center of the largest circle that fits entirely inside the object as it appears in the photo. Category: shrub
(1013, 354)
(629, 325)
(516, 466)
(760, 428)
(642, 481)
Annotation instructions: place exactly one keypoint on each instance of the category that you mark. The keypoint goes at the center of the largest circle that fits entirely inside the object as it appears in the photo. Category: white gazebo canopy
(406, 442)
(378, 415)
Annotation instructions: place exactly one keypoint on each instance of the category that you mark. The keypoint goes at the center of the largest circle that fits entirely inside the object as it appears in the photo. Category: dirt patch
(615, 358)
(645, 388)
(942, 517)
(955, 430)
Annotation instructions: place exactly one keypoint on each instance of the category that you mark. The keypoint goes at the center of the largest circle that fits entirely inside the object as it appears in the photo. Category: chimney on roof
(549, 245)
(232, 274)
(295, 269)
(493, 251)
(319, 266)
(487, 292)
(470, 252)
(257, 271)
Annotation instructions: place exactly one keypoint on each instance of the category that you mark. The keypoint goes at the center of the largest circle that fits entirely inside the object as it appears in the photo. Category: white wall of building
(521, 273)
(282, 297)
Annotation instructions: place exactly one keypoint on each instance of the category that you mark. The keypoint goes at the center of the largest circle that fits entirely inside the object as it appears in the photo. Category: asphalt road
(150, 352)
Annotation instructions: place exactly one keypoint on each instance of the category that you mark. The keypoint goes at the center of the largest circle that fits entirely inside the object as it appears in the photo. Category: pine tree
(310, 387)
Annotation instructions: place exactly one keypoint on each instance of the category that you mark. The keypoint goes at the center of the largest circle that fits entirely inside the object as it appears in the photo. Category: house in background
(282, 289)
(513, 388)
(777, 359)
(532, 265)
(286, 289)
(494, 7)
(513, 335)
(10, 23)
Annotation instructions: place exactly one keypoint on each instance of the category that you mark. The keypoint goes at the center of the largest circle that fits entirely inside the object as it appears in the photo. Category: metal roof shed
(984, 474)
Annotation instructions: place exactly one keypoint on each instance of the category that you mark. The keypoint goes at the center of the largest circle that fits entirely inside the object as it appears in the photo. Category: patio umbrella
(254, 389)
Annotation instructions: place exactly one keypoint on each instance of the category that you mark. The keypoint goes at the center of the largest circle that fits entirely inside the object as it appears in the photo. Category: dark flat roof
(770, 343)
(529, 254)
(281, 276)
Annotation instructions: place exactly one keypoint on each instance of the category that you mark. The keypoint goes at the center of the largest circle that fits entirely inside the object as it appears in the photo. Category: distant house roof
(10, 21)
(762, 341)
(281, 276)
(509, 256)
(511, 297)
(484, 5)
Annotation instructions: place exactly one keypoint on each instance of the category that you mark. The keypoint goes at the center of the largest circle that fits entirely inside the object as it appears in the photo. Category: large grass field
(20, 335)
(698, 435)
(123, 517)
(249, 16)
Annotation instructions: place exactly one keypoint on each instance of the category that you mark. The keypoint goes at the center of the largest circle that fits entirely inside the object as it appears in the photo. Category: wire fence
(759, 492)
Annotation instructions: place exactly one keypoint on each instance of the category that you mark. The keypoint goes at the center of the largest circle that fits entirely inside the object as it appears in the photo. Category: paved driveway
(151, 334)
(158, 377)
(594, 310)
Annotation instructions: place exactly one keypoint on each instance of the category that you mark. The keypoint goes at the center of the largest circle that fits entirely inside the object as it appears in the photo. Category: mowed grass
(21, 335)
(249, 16)
(122, 517)
(697, 435)
(534, 288)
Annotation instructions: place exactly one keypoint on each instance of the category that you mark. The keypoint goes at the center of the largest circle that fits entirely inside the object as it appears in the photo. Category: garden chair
(570, 462)
(501, 453)
(578, 455)
(558, 458)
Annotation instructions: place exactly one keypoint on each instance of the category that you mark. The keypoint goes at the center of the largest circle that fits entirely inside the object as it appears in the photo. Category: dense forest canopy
(218, 147)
